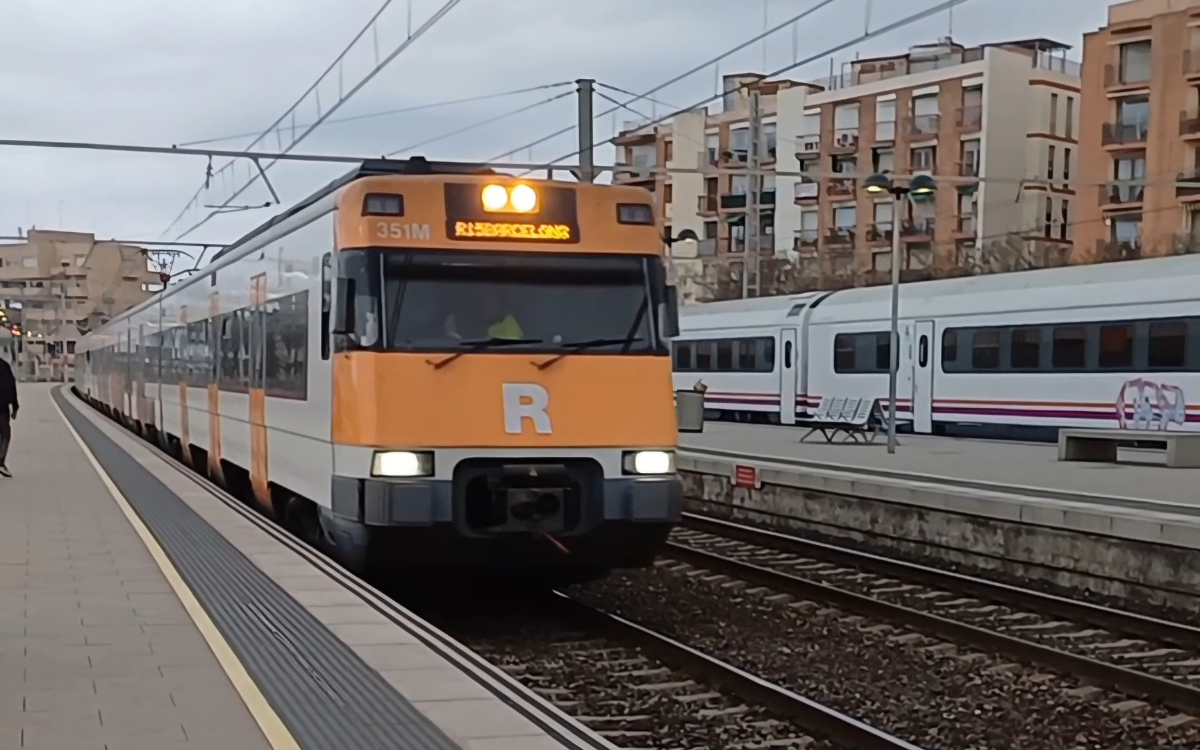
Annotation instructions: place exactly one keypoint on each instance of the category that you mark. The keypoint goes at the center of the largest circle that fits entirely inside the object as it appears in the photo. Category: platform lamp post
(920, 189)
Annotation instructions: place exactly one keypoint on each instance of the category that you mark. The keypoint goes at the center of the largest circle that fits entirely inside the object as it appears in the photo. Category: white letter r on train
(526, 401)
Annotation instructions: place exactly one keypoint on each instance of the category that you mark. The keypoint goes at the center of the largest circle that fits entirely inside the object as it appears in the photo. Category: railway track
(1143, 656)
(639, 689)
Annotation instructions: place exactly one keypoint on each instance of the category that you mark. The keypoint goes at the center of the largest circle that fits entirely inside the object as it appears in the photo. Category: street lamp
(921, 188)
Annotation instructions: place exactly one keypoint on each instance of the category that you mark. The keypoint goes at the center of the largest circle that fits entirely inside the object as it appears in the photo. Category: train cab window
(843, 353)
(1025, 349)
(725, 355)
(704, 355)
(1168, 344)
(1070, 348)
(985, 350)
(1116, 346)
(949, 346)
(683, 356)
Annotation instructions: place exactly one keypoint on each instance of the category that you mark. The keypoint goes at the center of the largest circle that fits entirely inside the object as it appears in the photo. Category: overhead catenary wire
(482, 123)
(732, 51)
(865, 36)
(402, 110)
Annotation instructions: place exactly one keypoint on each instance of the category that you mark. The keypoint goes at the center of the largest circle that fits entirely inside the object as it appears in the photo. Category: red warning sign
(745, 476)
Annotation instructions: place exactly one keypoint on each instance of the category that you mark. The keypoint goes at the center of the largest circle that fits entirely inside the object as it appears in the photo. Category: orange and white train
(424, 365)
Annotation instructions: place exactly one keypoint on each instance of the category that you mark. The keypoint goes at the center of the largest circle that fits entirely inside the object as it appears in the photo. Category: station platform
(1022, 468)
(141, 610)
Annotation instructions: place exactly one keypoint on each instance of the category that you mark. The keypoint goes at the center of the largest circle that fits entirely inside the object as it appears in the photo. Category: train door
(787, 376)
(922, 396)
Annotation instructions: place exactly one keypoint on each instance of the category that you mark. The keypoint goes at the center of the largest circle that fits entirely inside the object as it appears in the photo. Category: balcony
(766, 198)
(807, 192)
(969, 119)
(1113, 250)
(806, 240)
(923, 127)
(885, 131)
(706, 204)
(1187, 184)
(840, 236)
(1123, 133)
(1121, 195)
(808, 146)
(880, 231)
(965, 226)
(840, 187)
(968, 168)
(1191, 63)
(1189, 127)
(917, 230)
(707, 248)
(845, 141)
(1129, 79)
(733, 200)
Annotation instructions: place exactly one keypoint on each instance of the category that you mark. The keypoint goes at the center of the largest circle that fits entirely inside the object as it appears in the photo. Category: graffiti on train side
(1146, 405)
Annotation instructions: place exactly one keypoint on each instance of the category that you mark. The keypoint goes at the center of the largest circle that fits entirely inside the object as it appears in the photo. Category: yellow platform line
(273, 728)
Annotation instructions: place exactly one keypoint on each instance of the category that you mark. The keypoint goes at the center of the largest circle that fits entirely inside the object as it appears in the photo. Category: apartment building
(1140, 137)
(55, 286)
(995, 125)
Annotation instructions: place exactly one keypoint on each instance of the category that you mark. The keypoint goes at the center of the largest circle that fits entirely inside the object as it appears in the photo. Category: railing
(806, 239)
(966, 224)
(923, 126)
(885, 131)
(968, 169)
(706, 204)
(807, 191)
(917, 229)
(1191, 62)
(1119, 194)
(845, 139)
(1047, 61)
(734, 200)
(1187, 184)
(1188, 126)
(840, 187)
(766, 198)
(969, 118)
(808, 145)
(1117, 133)
(1115, 78)
(840, 236)
(879, 231)
(1108, 250)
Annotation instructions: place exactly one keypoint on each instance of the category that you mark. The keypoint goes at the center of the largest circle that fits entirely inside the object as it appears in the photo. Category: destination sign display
(506, 230)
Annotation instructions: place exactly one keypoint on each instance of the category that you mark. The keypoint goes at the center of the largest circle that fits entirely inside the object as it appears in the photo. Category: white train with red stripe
(1017, 354)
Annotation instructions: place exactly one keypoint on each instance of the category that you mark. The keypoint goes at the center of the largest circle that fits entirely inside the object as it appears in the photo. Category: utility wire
(620, 90)
(480, 124)
(403, 110)
(734, 50)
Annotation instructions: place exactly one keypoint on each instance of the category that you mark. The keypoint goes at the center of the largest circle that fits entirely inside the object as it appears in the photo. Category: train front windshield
(531, 302)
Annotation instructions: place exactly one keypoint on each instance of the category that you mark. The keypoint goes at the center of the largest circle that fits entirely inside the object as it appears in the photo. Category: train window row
(861, 352)
(260, 348)
(755, 354)
(1115, 346)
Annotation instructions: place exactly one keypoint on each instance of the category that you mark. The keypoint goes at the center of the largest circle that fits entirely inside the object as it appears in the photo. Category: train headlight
(649, 462)
(524, 198)
(402, 464)
(495, 197)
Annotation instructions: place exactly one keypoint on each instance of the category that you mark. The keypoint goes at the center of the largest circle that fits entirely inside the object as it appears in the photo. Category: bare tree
(1010, 253)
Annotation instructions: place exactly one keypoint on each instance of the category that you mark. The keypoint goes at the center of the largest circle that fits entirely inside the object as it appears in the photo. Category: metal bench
(1182, 448)
(858, 419)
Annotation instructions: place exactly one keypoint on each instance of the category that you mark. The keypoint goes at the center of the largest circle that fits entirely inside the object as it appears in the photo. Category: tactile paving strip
(325, 694)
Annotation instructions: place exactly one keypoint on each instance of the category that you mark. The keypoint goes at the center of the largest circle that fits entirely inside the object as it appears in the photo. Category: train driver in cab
(488, 317)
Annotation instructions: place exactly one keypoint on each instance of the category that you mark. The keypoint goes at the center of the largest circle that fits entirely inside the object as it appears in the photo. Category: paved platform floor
(96, 651)
(1001, 462)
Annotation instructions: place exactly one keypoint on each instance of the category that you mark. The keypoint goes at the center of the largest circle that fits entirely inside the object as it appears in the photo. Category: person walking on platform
(8, 410)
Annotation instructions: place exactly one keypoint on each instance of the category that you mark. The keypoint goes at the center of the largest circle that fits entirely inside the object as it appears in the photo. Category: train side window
(704, 356)
(1168, 344)
(1069, 350)
(725, 355)
(683, 356)
(747, 351)
(1025, 349)
(326, 301)
(1116, 346)
(923, 351)
(985, 349)
(883, 352)
(843, 352)
(949, 347)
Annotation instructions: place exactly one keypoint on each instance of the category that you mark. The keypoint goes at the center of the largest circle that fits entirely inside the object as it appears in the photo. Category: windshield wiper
(574, 347)
(472, 346)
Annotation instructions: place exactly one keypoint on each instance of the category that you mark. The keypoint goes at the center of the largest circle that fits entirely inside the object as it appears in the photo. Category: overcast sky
(162, 72)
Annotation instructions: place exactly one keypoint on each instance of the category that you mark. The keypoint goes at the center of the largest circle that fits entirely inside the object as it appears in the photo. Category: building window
(1135, 62)
(885, 120)
(713, 144)
(739, 143)
(1048, 228)
(1066, 164)
(845, 217)
(710, 230)
(668, 150)
(668, 193)
(1050, 162)
(1069, 120)
(1066, 219)
(739, 184)
(923, 159)
(970, 159)
(1133, 117)
(884, 160)
(881, 261)
(1127, 230)
(1054, 114)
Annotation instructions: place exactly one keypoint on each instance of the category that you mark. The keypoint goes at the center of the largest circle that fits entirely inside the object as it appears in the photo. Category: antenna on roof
(417, 165)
